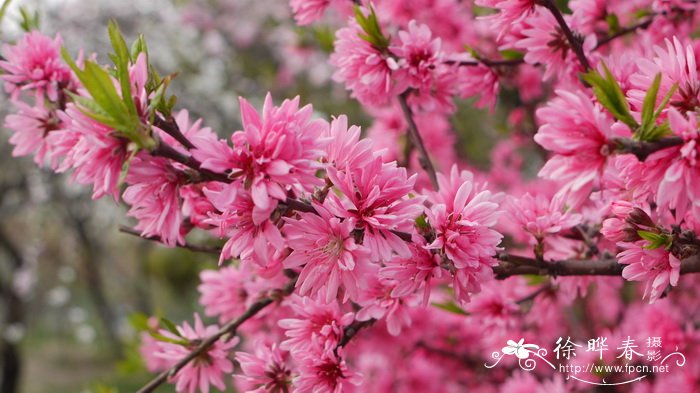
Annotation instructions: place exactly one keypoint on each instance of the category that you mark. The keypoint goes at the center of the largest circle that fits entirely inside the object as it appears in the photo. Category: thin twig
(191, 247)
(643, 25)
(643, 149)
(516, 265)
(417, 140)
(574, 41)
(351, 331)
(227, 330)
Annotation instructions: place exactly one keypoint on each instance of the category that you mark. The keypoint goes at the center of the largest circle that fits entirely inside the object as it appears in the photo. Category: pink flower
(656, 268)
(327, 373)
(346, 148)
(223, 292)
(463, 233)
(375, 199)
(154, 198)
(510, 12)
(481, 81)
(30, 126)
(275, 152)
(251, 234)
(91, 149)
(540, 216)
(676, 65)
(34, 63)
(317, 327)
(379, 303)
(676, 169)
(545, 43)
(578, 131)
(365, 70)
(412, 273)
(207, 369)
(266, 371)
(325, 247)
(308, 11)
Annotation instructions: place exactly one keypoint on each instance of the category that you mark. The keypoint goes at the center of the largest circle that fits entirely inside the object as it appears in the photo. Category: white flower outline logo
(519, 349)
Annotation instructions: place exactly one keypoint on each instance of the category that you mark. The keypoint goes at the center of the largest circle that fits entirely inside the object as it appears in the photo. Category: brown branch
(417, 140)
(574, 41)
(512, 265)
(488, 62)
(227, 330)
(351, 331)
(643, 25)
(191, 247)
(170, 127)
(643, 149)
(167, 151)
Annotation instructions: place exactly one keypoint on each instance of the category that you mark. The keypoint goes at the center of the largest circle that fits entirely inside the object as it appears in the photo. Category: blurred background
(72, 286)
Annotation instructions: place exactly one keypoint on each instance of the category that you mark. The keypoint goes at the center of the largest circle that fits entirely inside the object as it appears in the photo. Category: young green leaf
(610, 95)
(169, 326)
(650, 102)
(450, 306)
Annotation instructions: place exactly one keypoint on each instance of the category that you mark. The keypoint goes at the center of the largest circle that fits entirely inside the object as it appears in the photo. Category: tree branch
(227, 330)
(191, 247)
(417, 140)
(643, 149)
(643, 25)
(512, 265)
(574, 41)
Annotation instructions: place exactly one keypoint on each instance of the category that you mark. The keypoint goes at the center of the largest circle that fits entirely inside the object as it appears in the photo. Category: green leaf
(122, 58)
(138, 47)
(510, 54)
(450, 306)
(161, 337)
(29, 21)
(370, 25)
(3, 9)
(169, 326)
(139, 321)
(650, 103)
(665, 100)
(610, 95)
(613, 23)
(655, 240)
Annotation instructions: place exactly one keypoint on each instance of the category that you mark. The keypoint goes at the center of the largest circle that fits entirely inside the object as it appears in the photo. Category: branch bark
(227, 330)
(512, 265)
(417, 140)
(574, 41)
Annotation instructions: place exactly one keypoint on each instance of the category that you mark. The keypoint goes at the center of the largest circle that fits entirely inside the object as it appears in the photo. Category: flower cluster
(341, 254)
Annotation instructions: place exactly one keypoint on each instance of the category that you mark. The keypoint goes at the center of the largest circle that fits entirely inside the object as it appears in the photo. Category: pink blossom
(421, 68)
(578, 131)
(34, 63)
(251, 235)
(223, 292)
(267, 370)
(541, 216)
(154, 199)
(545, 43)
(90, 148)
(481, 81)
(677, 65)
(510, 12)
(316, 328)
(656, 268)
(375, 198)
(327, 373)
(676, 169)
(308, 11)
(463, 233)
(379, 303)
(412, 273)
(207, 369)
(30, 126)
(325, 247)
(273, 152)
(365, 70)
(346, 148)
